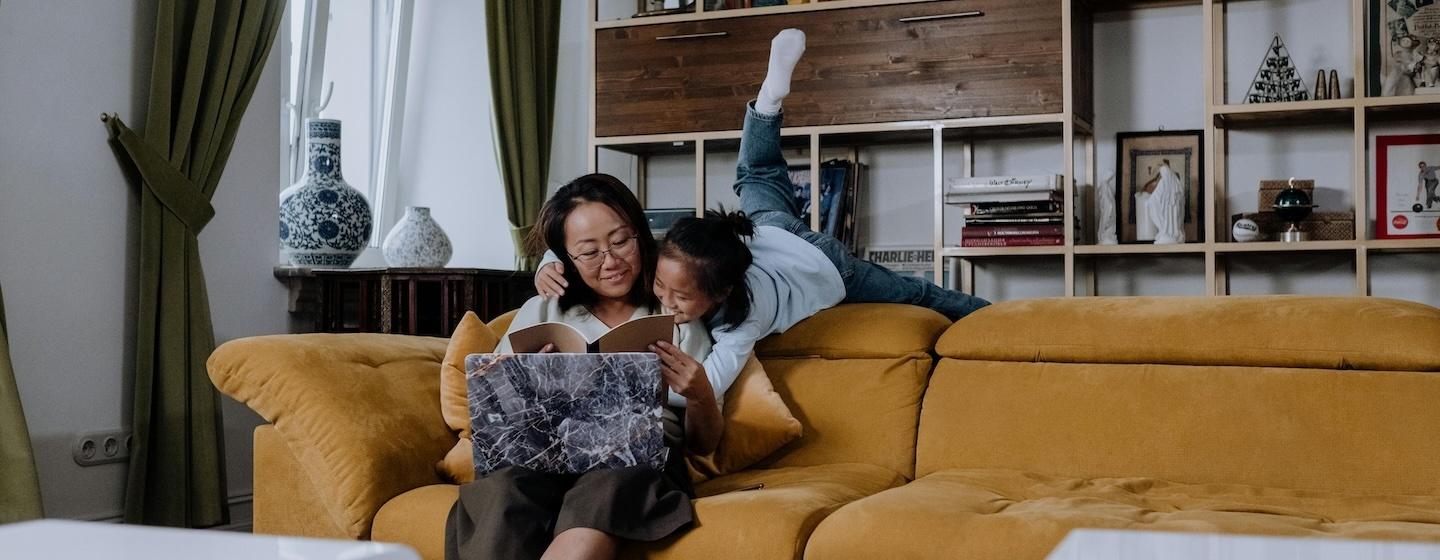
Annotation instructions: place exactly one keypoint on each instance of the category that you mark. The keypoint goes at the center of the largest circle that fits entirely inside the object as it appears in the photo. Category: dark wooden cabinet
(916, 61)
(418, 301)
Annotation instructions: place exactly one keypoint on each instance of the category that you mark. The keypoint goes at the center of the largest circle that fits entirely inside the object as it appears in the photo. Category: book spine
(991, 208)
(1001, 197)
(1012, 231)
(1025, 241)
(1004, 183)
(1012, 221)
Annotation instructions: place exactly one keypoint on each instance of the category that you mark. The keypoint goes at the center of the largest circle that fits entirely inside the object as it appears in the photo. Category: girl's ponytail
(738, 223)
(715, 251)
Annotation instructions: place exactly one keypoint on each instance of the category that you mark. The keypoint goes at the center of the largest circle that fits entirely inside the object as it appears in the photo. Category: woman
(597, 228)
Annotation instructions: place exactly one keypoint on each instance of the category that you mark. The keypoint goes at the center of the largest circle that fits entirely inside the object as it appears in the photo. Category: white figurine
(1105, 207)
(1144, 228)
(1167, 208)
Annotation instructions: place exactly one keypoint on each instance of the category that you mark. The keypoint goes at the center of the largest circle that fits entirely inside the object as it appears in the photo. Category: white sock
(785, 51)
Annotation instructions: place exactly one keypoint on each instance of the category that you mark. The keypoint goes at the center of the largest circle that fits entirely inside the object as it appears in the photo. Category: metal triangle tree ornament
(1277, 79)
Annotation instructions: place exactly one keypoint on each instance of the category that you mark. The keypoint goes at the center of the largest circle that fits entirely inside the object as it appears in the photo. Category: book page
(636, 335)
(534, 337)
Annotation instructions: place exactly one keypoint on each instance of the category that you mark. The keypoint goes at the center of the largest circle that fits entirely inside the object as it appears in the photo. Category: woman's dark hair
(714, 250)
(549, 232)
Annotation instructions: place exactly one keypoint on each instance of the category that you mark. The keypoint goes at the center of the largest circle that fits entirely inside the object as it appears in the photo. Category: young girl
(756, 274)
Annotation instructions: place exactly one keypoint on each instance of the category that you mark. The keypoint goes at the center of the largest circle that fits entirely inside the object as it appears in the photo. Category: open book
(635, 335)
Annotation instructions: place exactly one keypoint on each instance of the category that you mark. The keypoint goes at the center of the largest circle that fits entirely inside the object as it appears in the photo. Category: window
(348, 60)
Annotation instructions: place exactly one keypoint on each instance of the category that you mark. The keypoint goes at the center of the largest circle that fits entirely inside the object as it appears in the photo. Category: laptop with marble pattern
(565, 413)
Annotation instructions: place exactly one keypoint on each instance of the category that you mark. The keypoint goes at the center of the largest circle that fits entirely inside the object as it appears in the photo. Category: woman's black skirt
(514, 512)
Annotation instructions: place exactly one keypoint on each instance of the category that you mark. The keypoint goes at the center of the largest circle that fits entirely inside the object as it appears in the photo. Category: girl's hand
(683, 374)
(550, 280)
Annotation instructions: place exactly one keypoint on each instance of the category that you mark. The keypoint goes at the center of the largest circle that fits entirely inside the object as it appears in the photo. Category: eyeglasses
(619, 249)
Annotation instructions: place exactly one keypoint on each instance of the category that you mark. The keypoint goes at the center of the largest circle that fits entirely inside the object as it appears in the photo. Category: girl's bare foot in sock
(785, 51)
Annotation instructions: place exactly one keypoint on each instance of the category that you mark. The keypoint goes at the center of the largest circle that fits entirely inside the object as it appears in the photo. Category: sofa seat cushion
(985, 513)
(417, 518)
(771, 522)
(731, 522)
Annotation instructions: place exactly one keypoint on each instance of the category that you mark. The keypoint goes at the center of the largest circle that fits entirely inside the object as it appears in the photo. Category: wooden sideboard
(417, 301)
(874, 64)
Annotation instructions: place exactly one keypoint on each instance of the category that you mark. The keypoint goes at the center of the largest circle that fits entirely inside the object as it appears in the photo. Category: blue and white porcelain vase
(324, 222)
(417, 241)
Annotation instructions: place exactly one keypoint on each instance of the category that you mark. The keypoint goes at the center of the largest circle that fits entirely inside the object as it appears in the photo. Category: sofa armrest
(360, 411)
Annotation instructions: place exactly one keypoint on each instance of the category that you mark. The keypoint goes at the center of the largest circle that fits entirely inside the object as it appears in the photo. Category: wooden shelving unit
(1076, 136)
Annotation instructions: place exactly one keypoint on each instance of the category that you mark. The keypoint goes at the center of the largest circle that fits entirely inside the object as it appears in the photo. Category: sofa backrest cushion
(1080, 405)
(854, 375)
(1275, 331)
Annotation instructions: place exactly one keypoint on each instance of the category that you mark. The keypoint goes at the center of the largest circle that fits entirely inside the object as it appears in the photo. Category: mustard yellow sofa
(988, 438)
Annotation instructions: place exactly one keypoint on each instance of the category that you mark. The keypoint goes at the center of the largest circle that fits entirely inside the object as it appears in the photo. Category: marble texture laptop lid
(565, 413)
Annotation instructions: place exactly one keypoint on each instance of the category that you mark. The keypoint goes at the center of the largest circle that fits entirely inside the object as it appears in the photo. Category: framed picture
(1407, 190)
(1139, 156)
(1404, 48)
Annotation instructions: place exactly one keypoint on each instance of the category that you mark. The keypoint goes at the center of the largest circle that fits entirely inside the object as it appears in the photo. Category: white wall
(68, 232)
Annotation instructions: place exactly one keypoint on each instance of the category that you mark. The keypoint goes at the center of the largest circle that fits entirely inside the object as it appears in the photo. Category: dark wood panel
(1082, 35)
(418, 301)
(861, 65)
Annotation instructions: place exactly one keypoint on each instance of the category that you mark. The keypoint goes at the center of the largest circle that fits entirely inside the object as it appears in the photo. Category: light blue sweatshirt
(789, 280)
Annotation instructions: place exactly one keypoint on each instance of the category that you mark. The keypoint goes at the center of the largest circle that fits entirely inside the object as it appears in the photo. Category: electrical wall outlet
(98, 448)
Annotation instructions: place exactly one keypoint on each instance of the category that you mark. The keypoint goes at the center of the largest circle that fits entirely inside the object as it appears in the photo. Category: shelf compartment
(1283, 247)
(1142, 249)
(1401, 101)
(1127, 5)
(1402, 108)
(910, 132)
(971, 252)
(1290, 113)
(1402, 245)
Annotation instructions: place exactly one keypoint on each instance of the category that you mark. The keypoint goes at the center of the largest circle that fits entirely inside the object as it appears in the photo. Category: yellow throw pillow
(757, 424)
(471, 336)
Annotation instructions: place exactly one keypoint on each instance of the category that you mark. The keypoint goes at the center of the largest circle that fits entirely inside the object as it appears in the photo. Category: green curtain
(19, 487)
(208, 57)
(523, 37)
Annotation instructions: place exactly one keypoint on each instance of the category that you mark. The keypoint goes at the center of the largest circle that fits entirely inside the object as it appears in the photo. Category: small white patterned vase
(417, 241)
(324, 222)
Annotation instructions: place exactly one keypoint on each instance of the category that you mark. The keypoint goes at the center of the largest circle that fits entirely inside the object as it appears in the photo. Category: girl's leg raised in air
(762, 177)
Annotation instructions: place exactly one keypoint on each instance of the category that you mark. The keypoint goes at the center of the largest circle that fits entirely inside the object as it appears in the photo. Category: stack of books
(1013, 211)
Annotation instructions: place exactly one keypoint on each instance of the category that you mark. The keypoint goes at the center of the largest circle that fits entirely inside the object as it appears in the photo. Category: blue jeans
(762, 179)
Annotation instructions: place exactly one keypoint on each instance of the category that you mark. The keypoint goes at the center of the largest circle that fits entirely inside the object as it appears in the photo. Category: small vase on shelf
(324, 222)
(417, 241)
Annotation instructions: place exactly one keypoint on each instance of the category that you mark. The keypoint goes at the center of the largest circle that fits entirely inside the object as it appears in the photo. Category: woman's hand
(683, 374)
(550, 280)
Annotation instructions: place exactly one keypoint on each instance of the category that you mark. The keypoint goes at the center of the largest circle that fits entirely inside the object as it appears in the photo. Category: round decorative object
(324, 222)
(1417, 208)
(1245, 230)
(417, 241)
(1293, 205)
